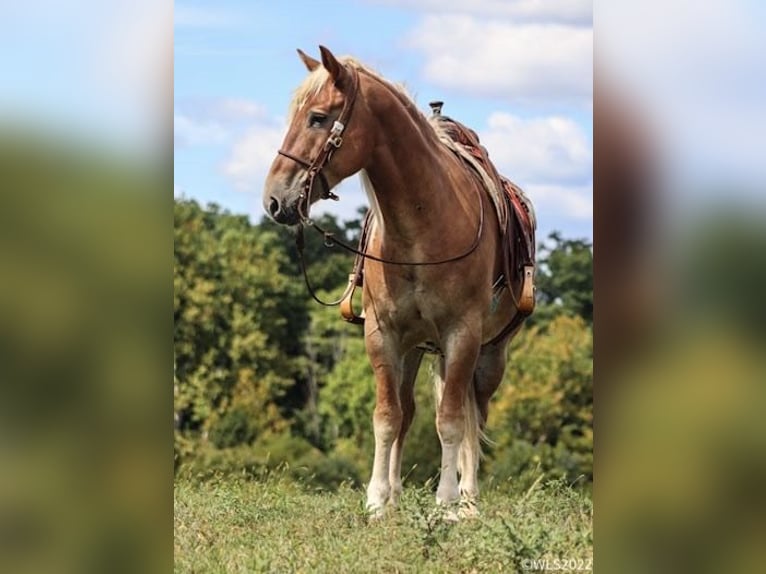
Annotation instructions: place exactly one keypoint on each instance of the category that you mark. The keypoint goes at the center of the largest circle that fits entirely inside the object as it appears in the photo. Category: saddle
(514, 211)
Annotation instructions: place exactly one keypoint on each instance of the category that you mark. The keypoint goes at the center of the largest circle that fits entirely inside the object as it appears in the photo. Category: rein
(330, 240)
(314, 169)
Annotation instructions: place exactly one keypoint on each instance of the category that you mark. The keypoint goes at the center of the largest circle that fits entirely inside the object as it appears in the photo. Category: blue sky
(93, 72)
(519, 73)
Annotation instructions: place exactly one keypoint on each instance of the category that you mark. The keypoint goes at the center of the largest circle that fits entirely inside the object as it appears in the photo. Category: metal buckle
(337, 128)
(335, 139)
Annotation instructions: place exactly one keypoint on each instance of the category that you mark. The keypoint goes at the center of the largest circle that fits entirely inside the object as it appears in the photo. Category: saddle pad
(524, 215)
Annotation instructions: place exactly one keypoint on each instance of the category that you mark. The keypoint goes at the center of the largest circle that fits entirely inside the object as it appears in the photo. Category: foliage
(264, 377)
(348, 400)
(293, 456)
(348, 396)
(541, 417)
(231, 325)
(564, 279)
(327, 267)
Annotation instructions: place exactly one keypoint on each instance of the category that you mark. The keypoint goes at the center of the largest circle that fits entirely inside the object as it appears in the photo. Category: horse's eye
(316, 120)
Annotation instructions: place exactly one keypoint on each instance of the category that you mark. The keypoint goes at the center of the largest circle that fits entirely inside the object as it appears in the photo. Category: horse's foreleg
(410, 367)
(387, 418)
(460, 362)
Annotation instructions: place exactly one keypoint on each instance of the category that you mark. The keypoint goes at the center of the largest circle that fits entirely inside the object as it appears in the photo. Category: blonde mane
(316, 80)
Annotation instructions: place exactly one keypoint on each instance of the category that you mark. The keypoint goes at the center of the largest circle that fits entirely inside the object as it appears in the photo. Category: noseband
(334, 141)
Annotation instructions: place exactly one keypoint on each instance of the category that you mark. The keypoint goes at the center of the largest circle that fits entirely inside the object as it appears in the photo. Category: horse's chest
(408, 305)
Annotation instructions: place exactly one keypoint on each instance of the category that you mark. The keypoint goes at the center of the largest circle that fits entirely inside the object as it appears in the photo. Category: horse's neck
(411, 184)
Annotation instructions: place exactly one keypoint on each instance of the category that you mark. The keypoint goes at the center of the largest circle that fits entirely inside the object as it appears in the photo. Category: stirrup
(527, 298)
(347, 305)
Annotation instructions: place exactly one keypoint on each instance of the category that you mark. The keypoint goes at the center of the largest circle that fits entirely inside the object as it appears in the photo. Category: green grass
(275, 525)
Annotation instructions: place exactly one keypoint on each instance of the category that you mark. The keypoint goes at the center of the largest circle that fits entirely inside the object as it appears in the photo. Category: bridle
(314, 169)
(331, 145)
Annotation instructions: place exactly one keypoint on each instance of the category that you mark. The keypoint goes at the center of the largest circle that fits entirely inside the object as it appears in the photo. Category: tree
(328, 267)
(262, 373)
(543, 411)
(233, 311)
(564, 279)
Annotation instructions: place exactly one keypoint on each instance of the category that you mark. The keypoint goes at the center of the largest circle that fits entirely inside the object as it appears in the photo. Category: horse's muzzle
(280, 212)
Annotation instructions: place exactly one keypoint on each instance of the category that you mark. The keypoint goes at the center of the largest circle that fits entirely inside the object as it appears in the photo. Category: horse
(434, 253)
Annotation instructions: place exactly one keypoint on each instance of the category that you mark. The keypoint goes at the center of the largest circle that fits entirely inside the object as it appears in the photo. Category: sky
(696, 74)
(87, 71)
(519, 72)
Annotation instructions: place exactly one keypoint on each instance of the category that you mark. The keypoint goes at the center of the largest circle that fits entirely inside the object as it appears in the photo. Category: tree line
(265, 378)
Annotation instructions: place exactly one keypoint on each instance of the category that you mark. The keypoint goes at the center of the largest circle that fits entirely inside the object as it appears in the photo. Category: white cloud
(252, 155)
(570, 11)
(351, 195)
(213, 121)
(529, 63)
(550, 157)
(547, 150)
(249, 136)
(189, 131)
(235, 109)
(701, 80)
(221, 110)
(552, 201)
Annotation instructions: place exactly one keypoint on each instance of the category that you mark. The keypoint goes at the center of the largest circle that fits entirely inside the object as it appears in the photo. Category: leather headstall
(332, 144)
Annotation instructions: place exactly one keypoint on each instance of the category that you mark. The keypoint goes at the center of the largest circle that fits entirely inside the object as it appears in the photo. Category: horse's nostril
(274, 206)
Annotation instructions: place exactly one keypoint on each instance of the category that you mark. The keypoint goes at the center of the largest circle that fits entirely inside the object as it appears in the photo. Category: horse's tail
(470, 447)
(437, 372)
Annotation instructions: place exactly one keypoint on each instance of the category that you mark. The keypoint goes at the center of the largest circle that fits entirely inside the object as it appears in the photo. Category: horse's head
(324, 144)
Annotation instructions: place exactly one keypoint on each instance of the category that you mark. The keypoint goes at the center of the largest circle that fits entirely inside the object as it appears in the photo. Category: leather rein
(314, 169)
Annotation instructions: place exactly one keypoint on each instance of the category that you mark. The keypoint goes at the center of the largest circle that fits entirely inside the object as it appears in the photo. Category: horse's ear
(331, 63)
(311, 63)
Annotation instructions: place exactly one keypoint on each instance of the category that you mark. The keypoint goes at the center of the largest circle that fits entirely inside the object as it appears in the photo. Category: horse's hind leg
(489, 374)
(410, 367)
(459, 365)
(469, 454)
(487, 377)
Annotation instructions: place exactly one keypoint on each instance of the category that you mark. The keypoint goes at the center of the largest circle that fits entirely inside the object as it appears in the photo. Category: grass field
(275, 525)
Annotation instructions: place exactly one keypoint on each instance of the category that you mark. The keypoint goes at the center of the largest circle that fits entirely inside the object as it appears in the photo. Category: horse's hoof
(375, 514)
(447, 511)
(451, 516)
(469, 510)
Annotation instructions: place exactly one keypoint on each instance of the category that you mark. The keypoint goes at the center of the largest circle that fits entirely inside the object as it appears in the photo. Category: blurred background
(680, 273)
(85, 287)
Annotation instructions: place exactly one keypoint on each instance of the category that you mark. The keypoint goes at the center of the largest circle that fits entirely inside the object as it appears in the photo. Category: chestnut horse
(434, 254)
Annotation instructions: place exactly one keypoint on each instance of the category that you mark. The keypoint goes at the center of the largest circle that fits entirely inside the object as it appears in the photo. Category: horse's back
(515, 211)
